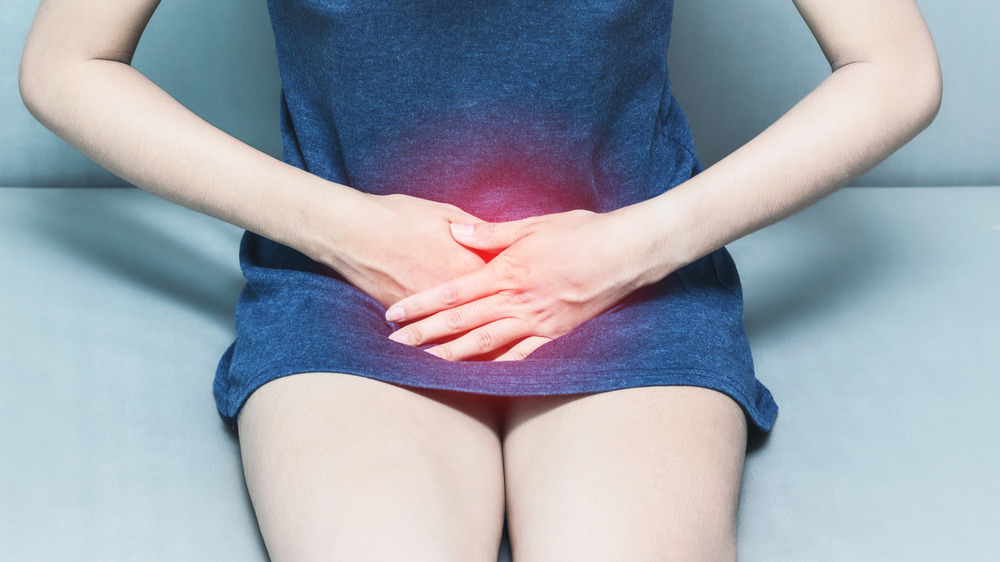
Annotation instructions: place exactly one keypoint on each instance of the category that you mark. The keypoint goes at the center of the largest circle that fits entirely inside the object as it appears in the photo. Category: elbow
(921, 87)
(28, 79)
(935, 93)
(907, 85)
(46, 86)
(44, 78)
(926, 91)
(36, 85)
(906, 95)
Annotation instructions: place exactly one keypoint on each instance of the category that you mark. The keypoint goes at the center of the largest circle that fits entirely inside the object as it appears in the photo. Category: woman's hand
(551, 274)
(396, 245)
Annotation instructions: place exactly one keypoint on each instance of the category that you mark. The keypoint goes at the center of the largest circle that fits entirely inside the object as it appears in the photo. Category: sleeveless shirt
(507, 109)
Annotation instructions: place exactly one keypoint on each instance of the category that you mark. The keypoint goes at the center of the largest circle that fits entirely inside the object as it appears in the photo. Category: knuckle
(484, 340)
(444, 352)
(453, 318)
(518, 299)
(509, 272)
(450, 294)
(561, 329)
(415, 335)
(486, 230)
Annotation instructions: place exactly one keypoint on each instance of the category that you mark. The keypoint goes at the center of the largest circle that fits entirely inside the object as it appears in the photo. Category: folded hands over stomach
(541, 277)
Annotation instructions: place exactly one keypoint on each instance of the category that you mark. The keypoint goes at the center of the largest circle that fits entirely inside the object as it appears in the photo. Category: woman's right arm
(76, 78)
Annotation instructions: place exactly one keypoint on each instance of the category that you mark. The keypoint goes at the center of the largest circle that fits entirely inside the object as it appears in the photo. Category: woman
(522, 302)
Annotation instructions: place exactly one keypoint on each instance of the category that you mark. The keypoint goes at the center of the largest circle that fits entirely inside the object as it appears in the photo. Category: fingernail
(462, 230)
(401, 337)
(395, 314)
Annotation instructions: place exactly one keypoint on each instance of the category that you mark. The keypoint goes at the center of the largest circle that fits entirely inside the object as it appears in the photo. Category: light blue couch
(873, 318)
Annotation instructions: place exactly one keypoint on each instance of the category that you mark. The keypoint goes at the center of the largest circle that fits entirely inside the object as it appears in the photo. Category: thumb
(489, 235)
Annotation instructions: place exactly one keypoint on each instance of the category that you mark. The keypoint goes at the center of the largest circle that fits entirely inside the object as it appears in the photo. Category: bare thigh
(341, 467)
(638, 474)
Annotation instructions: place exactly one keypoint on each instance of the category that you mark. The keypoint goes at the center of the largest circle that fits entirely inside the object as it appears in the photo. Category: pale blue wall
(736, 66)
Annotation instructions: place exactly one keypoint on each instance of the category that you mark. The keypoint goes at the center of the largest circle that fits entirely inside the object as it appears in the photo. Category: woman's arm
(560, 270)
(884, 89)
(76, 78)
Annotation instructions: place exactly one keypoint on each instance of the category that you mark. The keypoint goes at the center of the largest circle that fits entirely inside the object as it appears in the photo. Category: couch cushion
(872, 317)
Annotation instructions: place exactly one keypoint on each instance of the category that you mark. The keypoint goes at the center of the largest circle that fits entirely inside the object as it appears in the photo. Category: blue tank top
(507, 109)
(504, 108)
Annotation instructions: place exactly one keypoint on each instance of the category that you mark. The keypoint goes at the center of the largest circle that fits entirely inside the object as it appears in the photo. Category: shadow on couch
(131, 237)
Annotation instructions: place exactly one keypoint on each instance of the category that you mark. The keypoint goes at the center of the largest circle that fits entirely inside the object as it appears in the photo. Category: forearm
(116, 116)
(857, 117)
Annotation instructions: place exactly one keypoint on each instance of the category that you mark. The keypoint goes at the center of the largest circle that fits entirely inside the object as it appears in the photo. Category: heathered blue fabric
(506, 108)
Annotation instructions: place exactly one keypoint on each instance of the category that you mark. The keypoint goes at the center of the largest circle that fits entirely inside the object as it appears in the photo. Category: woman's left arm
(885, 88)
(551, 272)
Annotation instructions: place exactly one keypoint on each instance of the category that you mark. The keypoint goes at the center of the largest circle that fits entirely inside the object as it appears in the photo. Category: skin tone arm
(557, 271)
(76, 78)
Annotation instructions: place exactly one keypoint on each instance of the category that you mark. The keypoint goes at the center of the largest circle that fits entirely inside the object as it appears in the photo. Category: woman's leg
(342, 467)
(639, 474)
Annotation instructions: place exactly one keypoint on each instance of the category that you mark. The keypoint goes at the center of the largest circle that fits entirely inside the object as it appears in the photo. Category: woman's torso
(504, 108)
